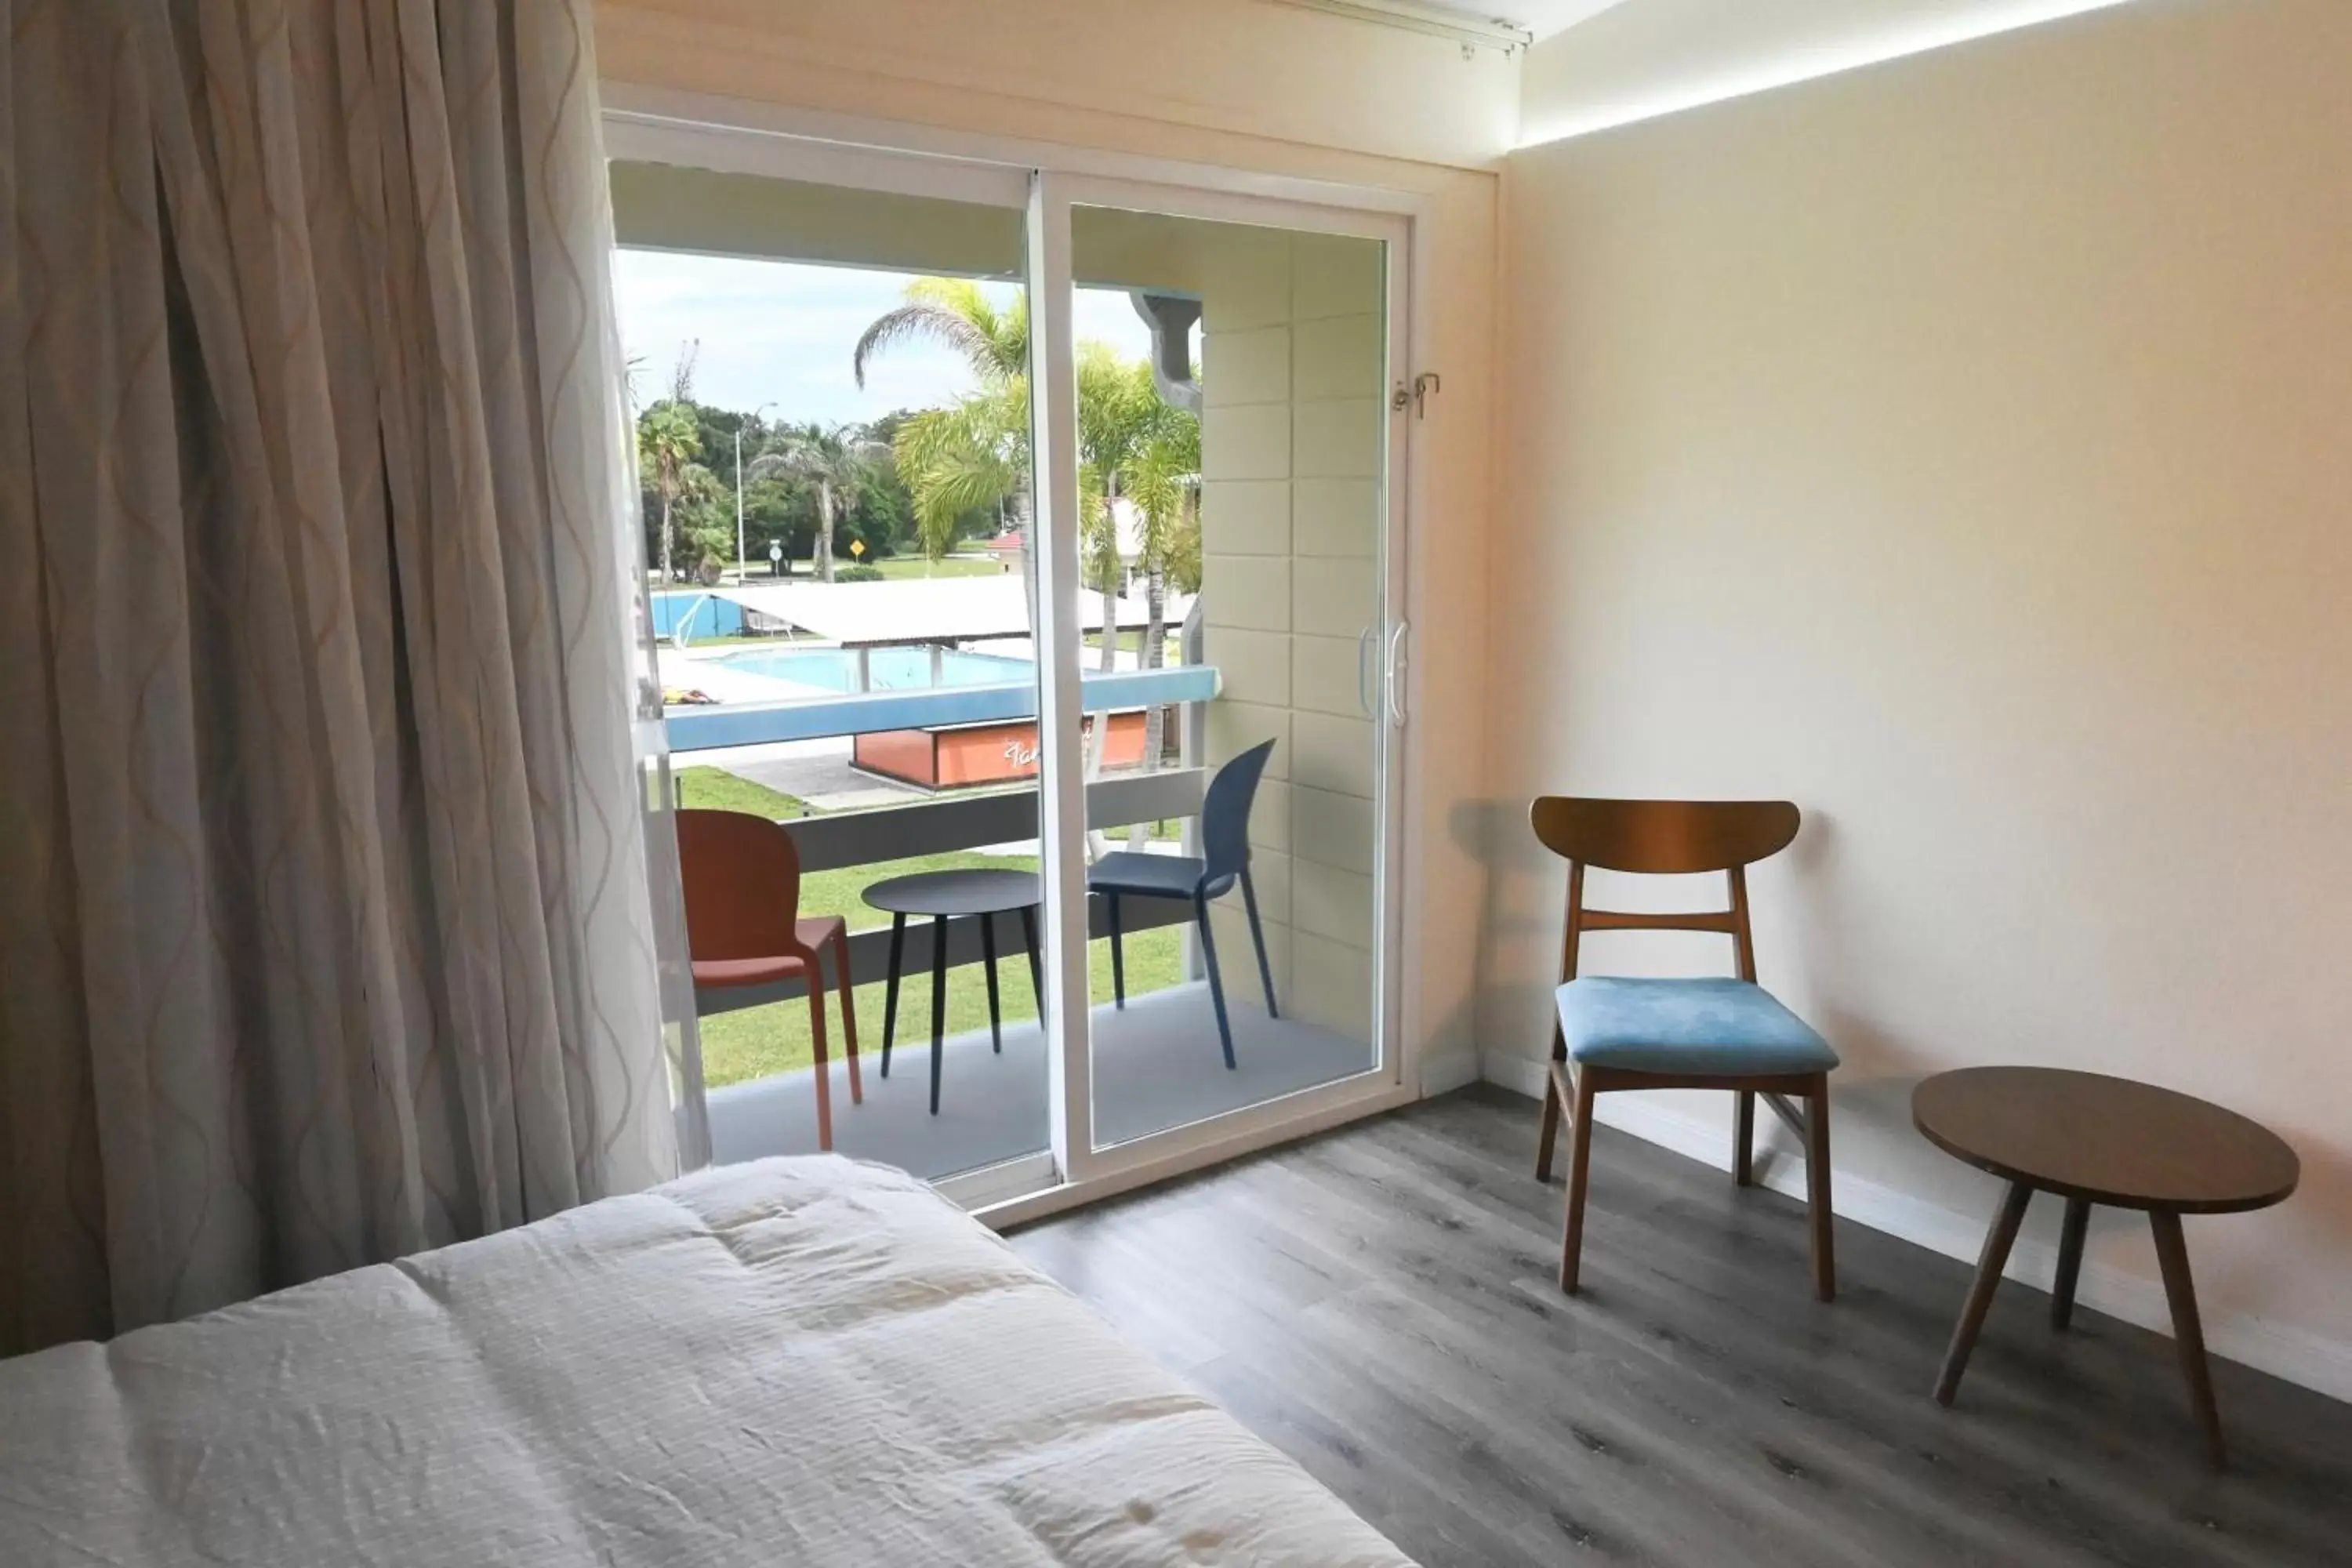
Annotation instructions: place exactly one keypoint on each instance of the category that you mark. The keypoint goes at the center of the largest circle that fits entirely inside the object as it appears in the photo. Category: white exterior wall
(1292, 365)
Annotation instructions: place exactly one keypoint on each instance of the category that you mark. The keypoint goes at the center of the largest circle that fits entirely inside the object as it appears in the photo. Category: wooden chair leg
(1550, 1134)
(823, 1068)
(1579, 1164)
(1743, 1138)
(841, 978)
(1817, 1188)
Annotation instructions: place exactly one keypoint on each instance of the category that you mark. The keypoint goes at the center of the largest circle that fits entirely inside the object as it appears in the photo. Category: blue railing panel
(700, 729)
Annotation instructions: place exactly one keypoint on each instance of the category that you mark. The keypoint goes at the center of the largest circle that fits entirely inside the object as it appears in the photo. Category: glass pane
(1231, 388)
(832, 398)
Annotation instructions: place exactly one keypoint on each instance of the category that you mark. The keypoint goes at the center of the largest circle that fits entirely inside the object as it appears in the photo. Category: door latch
(1422, 385)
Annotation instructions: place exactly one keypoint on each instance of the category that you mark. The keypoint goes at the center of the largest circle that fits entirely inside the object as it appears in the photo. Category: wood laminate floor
(1379, 1302)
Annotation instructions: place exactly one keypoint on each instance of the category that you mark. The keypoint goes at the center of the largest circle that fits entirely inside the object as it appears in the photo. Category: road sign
(857, 547)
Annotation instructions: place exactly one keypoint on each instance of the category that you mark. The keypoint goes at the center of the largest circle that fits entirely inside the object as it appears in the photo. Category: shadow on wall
(1519, 950)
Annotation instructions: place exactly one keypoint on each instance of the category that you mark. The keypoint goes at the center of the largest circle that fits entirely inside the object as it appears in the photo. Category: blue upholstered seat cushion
(1706, 1026)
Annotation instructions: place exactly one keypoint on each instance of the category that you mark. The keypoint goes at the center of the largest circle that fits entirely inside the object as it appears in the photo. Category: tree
(1164, 483)
(974, 454)
(706, 519)
(1133, 447)
(839, 462)
(669, 440)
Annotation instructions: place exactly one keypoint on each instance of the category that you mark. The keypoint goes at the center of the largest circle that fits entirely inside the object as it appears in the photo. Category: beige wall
(1242, 72)
(1242, 85)
(1962, 447)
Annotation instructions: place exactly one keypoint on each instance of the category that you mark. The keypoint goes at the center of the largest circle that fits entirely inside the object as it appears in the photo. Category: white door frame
(1045, 182)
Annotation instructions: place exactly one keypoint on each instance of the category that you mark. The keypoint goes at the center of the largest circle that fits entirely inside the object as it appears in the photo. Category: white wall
(1242, 85)
(1959, 447)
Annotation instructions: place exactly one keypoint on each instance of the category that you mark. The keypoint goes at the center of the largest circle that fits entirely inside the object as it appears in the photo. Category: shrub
(858, 574)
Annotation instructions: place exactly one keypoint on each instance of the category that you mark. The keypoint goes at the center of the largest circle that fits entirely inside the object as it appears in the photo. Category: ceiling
(1541, 17)
(1633, 59)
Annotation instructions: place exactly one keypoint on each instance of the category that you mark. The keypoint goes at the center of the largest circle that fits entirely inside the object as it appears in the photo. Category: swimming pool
(888, 668)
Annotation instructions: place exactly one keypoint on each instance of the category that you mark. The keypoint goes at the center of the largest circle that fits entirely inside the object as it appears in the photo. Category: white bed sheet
(804, 1361)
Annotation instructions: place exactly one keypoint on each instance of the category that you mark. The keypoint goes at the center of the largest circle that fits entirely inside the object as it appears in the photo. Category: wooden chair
(742, 877)
(1612, 1034)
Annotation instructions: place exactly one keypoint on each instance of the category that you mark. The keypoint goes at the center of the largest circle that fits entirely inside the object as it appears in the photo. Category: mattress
(801, 1361)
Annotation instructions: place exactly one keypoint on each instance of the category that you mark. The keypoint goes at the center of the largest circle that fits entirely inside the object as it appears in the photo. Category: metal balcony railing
(966, 822)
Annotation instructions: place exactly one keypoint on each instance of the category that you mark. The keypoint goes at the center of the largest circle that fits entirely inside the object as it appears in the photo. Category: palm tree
(974, 454)
(1116, 408)
(1161, 481)
(839, 462)
(669, 438)
(700, 523)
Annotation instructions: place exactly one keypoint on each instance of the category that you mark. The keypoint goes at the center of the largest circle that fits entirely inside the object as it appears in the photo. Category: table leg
(988, 956)
(1036, 971)
(1990, 1263)
(939, 1003)
(2187, 1333)
(2070, 1262)
(891, 992)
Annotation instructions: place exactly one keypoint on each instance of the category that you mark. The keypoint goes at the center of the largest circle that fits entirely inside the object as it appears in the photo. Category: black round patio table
(944, 896)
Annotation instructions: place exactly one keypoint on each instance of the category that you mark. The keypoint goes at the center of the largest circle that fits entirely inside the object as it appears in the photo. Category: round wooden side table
(2091, 1138)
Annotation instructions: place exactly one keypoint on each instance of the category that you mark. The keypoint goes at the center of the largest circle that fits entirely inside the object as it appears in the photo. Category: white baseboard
(2296, 1354)
(1450, 1070)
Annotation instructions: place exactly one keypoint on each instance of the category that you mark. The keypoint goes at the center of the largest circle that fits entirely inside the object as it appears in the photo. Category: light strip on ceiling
(1468, 31)
(1983, 20)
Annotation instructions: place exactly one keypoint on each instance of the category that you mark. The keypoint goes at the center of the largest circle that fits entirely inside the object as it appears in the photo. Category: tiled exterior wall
(1292, 375)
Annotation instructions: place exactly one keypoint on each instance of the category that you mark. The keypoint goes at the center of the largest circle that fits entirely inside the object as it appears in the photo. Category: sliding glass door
(834, 416)
(1050, 606)
(1233, 496)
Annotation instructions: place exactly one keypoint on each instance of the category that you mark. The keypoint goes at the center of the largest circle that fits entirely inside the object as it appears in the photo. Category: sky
(783, 333)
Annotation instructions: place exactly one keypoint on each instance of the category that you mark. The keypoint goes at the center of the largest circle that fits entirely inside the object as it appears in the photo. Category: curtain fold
(336, 899)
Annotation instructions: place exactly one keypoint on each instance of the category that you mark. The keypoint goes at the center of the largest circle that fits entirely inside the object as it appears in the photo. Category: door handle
(1396, 675)
(1363, 647)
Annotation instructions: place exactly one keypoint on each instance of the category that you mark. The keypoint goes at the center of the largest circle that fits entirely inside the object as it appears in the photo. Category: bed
(801, 1361)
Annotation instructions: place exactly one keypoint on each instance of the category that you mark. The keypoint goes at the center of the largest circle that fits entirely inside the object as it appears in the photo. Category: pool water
(888, 668)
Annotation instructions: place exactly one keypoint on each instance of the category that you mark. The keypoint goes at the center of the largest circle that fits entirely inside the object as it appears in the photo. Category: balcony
(1157, 1063)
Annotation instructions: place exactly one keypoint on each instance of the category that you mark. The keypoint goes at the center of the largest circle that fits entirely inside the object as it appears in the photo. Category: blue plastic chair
(1224, 841)
(1720, 1033)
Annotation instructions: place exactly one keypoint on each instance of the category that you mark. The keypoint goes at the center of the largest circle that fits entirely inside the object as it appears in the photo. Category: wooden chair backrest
(742, 879)
(1664, 838)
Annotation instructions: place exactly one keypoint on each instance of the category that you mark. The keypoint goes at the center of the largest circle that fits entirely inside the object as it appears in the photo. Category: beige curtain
(326, 927)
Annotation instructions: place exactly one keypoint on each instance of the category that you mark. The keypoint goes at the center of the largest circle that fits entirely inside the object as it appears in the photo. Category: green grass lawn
(756, 1042)
(707, 788)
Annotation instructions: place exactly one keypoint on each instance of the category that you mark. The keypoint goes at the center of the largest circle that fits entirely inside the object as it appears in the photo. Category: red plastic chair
(742, 876)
